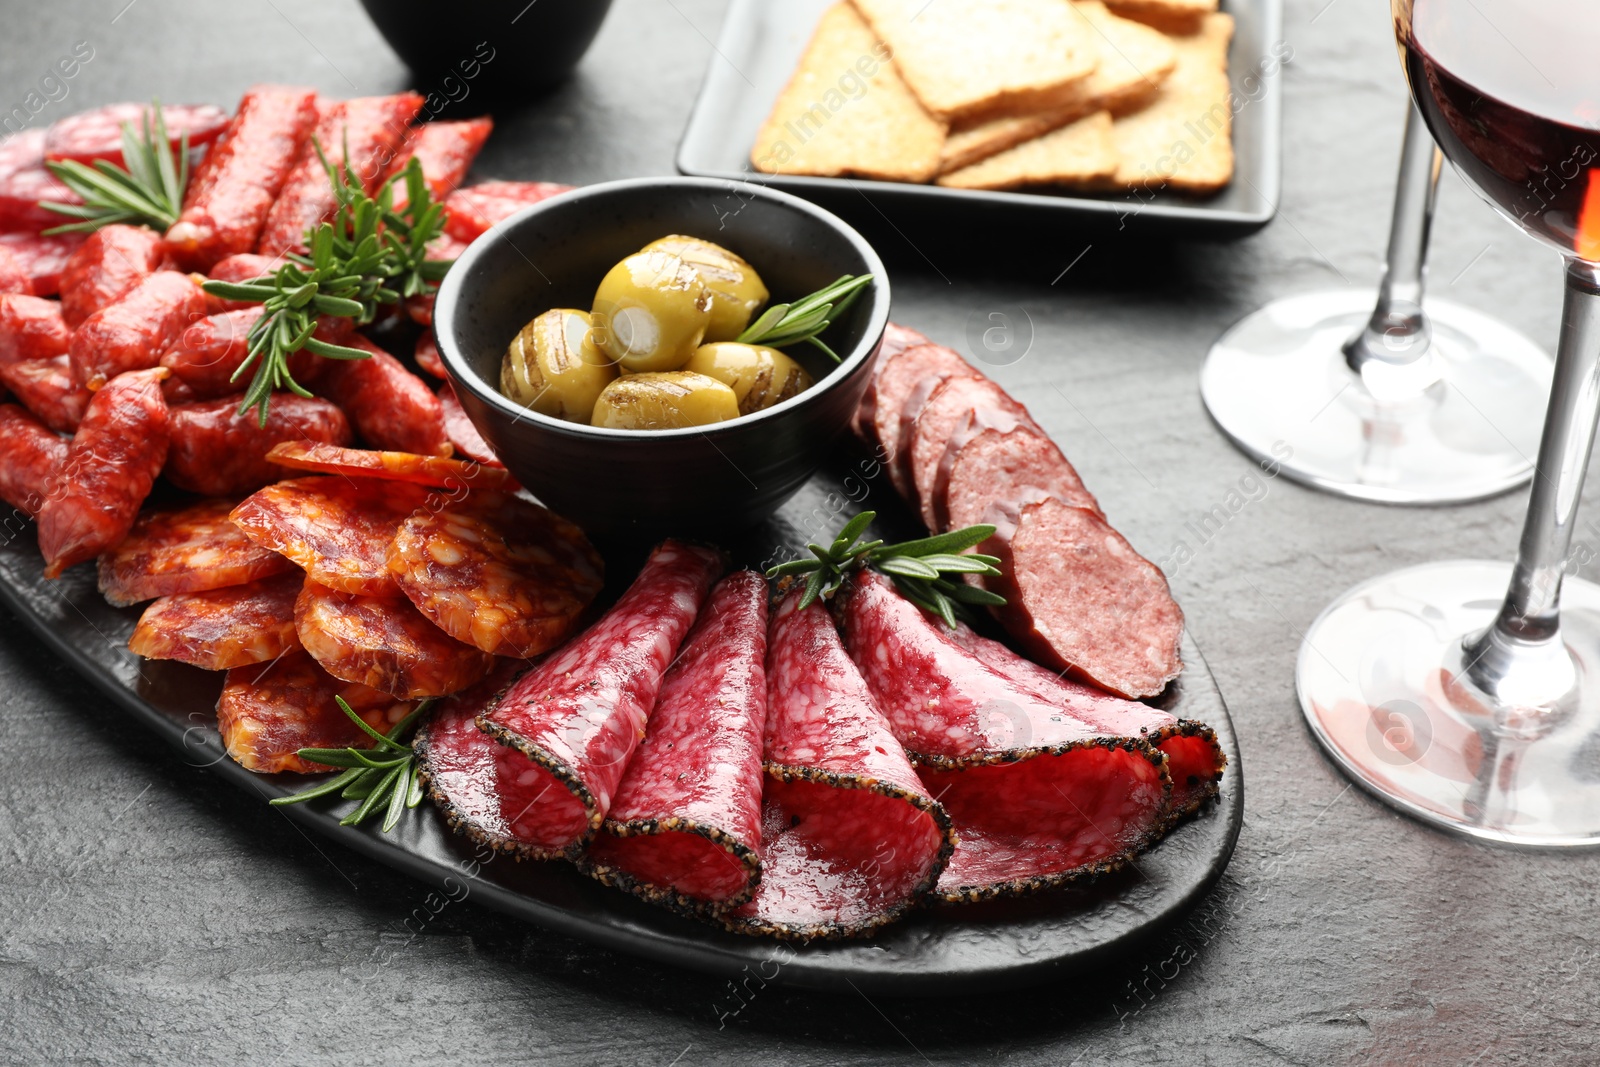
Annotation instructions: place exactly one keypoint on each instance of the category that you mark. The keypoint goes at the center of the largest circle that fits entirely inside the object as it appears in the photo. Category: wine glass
(1380, 398)
(1467, 693)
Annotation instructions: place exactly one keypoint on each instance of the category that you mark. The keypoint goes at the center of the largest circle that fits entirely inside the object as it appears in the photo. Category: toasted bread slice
(970, 59)
(1078, 156)
(1184, 140)
(1134, 61)
(846, 111)
(1169, 16)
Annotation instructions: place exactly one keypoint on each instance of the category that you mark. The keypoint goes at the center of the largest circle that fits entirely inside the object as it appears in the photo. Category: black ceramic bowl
(649, 483)
(498, 46)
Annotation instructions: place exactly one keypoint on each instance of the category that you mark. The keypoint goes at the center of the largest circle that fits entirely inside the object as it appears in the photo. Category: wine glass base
(1278, 386)
(1381, 678)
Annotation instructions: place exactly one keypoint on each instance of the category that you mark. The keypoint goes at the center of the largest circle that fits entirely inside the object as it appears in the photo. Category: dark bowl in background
(637, 484)
(496, 46)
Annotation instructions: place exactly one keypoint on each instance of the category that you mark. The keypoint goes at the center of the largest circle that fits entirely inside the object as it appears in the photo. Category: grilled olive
(737, 291)
(554, 368)
(651, 312)
(759, 376)
(664, 402)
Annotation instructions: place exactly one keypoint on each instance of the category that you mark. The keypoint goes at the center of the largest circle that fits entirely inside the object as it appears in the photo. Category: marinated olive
(737, 291)
(651, 312)
(554, 367)
(759, 376)
(664, 402)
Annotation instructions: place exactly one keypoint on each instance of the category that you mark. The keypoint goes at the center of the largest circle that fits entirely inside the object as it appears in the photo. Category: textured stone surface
(154, 915)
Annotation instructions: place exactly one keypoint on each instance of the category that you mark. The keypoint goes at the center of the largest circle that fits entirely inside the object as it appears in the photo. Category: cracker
(1077, 156)
(1169, 16)
(846, 111)
(1184, 140)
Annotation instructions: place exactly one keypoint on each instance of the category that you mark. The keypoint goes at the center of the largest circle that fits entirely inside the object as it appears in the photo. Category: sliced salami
(428, 357)
(956, 399)
(134, 332)
(497, 572)
(850, 838)
(110, 466)
(390, 407)
(896, 339)
(363, 134)
(234, 187)
(459, 428)
(216, 451)
(1194, 758)
(472, 212)
(338, 530)
(91, 135)
(685, 827)
(269, 711)
(190, 549)
(31, 458)
(222, 629)
(13, 277)
(576, 718)
(105, 268)
(1079, 598)
(893, 391)
(384, 643)
(991, 460)
(453, 474)
(46, 388)
(31, 328)
(1038, 797)
(445, 150)
(44, 258)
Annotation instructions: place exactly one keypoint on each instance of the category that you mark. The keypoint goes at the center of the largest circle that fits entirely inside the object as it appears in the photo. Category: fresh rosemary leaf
(802, 321)
(385, 775)
(147, 190)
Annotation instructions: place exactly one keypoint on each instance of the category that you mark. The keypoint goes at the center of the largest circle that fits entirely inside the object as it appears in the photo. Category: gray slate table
(155, 915)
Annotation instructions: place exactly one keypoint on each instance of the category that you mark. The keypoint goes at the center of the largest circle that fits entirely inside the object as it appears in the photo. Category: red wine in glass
(1511, 91)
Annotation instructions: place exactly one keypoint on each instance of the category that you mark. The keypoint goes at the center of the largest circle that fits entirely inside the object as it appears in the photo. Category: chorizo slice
(1080, 598)
(497, 572)
(31, 458)
(234, 187)
(997, 459)
(915, 368)
(269, 711)
(105, 268)
(436, 471)
(31, 328)
(46, 388)
(389, 406)
(384, 643)
(339, 530)
(216, 451)
(955, 399)
(134, 332)
(189, 549)
(221, 629)
(685, 827)
(573, 721)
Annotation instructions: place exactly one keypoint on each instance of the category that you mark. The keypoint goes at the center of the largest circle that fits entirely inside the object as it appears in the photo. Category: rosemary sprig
(383, 776)
(790, 324)
(918, 568)
(369, 254)
(146, 191)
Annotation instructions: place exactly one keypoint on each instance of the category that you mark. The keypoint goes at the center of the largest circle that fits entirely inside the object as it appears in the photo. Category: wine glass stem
(1521, 659)
(1398, 333)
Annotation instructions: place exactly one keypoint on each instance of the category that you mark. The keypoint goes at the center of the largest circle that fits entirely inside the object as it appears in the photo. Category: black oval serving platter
(940, 951)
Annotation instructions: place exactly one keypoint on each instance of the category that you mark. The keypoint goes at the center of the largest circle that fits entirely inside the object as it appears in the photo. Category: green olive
(737, 291)
(664, 402)
(554, 368)
(759, 376)
(651, 312)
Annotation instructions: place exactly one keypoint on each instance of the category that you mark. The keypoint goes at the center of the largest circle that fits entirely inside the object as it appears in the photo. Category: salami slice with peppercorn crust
(497, 572)
(685, 827)
(441, 473)
(1038, 797)
(222, 628)
(570, 724)
(1194, 758)
(190, 549)
(850, 837)
(269, 711)
(110, 466)
(338, 529)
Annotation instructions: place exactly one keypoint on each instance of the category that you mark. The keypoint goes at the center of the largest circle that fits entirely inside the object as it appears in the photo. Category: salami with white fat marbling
(221, 629)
